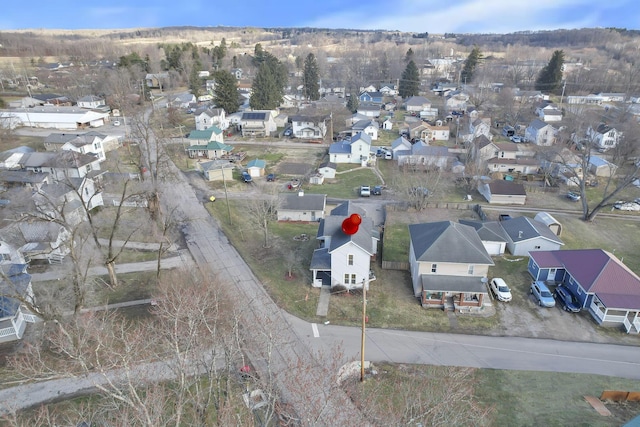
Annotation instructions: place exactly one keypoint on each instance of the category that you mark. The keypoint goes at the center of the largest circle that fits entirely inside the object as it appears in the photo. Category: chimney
(519, 234)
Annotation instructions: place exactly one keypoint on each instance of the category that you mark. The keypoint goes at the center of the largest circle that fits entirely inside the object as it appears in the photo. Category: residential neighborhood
(391, 206)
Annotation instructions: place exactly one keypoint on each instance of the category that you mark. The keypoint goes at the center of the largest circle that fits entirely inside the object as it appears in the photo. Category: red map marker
(351, 224)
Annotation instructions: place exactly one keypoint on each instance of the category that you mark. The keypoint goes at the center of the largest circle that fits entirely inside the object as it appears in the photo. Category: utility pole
(564, 85)
(364, 323)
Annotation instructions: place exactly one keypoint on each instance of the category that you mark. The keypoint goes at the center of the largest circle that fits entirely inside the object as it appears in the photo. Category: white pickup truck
(365, 191)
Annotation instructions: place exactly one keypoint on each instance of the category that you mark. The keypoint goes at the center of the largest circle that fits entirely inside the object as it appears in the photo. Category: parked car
(574, 197)
(504, 217)
(627, 206)
(517, 139)
(365, 191)
(246, 177)
(567, 299)
(288, 132)
(377, 190)
(271, 177)
(500, 289)
(542, 294)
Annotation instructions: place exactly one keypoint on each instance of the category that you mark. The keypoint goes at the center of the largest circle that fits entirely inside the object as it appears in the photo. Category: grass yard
(346, 185)
(525, 398)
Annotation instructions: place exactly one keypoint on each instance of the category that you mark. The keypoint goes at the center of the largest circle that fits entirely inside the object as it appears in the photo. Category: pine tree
(352, 103)
(310, 77)
(410, 81)
(408, 57)
(550, 77)
(470, 65)
(225, 94)
(270, 81)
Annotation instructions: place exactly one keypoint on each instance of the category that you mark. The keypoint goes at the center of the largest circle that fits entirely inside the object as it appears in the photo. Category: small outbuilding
(553, 224)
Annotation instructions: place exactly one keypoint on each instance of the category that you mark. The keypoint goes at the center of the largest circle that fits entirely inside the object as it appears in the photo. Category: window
(5, 257)
(434, 268)
(353, 279)
(470, 269)
(536, 247)
(346, 278)
(350, 259)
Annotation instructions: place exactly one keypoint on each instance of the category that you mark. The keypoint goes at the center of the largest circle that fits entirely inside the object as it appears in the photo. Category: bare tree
(417, 182)
(187, 353)
(263, 209)
(576, 145)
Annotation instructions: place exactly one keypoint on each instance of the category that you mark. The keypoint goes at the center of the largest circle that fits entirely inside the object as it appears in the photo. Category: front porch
(629, 319)
(463, 294)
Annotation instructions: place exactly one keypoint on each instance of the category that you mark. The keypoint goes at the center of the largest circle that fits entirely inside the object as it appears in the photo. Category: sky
(434, 17)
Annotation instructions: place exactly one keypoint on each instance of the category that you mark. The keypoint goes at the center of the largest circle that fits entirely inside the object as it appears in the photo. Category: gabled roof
(401, 142)
(483, 141)
(23, 176)
(598, 272)
(205, 134)
(447, 241)
(538, 124)
(422, 149)
(373, 94)
(327, 164)
(61, 159)
(524, 228)
(490, 231)
(257, 163)
(417, 101)
(331, 225)
(507, 146)
(304, 202)
(363, 124)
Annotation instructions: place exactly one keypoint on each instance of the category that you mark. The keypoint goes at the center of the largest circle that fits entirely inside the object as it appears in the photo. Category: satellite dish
(484, 280)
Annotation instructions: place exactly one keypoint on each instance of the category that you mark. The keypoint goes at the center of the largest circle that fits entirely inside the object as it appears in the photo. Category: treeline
(584, 37)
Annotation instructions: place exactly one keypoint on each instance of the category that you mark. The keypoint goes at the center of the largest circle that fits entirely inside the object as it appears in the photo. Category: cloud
(491, 16)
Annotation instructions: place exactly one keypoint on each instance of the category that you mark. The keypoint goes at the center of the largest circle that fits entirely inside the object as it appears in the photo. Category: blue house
(604, 286)
(371, 97)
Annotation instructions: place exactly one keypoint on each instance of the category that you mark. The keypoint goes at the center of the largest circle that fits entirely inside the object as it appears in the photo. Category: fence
(132, 203)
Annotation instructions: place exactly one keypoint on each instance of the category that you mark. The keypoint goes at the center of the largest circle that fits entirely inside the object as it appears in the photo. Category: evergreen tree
(550, 77)
(408, 56)
(410, 81)
(310, 77)
(270, 81)
(225, 94)
(195, 82)
(470, 65)
(352, 103)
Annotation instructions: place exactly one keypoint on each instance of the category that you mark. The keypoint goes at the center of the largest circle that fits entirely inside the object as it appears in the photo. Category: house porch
(629, 319)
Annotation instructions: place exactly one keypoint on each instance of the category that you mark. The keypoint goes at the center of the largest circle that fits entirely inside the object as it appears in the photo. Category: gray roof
(60, 159)
(328, 164)
(490, 231)
(22, 176)
(321, 259)
(347, 208)
(448, 241)
(524, 228)
(417, 101)
(363, 124)
(538, 124)
(305, 202)
(440, 283)
(429, 150)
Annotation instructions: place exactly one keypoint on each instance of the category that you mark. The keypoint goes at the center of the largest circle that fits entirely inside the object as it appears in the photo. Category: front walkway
(323, 303)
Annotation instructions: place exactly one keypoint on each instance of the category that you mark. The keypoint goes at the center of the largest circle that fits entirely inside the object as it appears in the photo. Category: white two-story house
(344, 259)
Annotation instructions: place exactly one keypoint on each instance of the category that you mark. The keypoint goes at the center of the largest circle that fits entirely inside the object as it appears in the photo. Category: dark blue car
(567, 299)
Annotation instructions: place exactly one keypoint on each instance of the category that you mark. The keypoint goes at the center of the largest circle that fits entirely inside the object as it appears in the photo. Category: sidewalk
(183, 259)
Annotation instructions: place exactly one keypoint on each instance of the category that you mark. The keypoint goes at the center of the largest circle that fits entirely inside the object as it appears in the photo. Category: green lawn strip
(345, 185)
(526, 398)
(131, 287)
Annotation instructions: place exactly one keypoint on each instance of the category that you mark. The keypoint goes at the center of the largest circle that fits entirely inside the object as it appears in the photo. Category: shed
(256, 167)
(553, 224)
